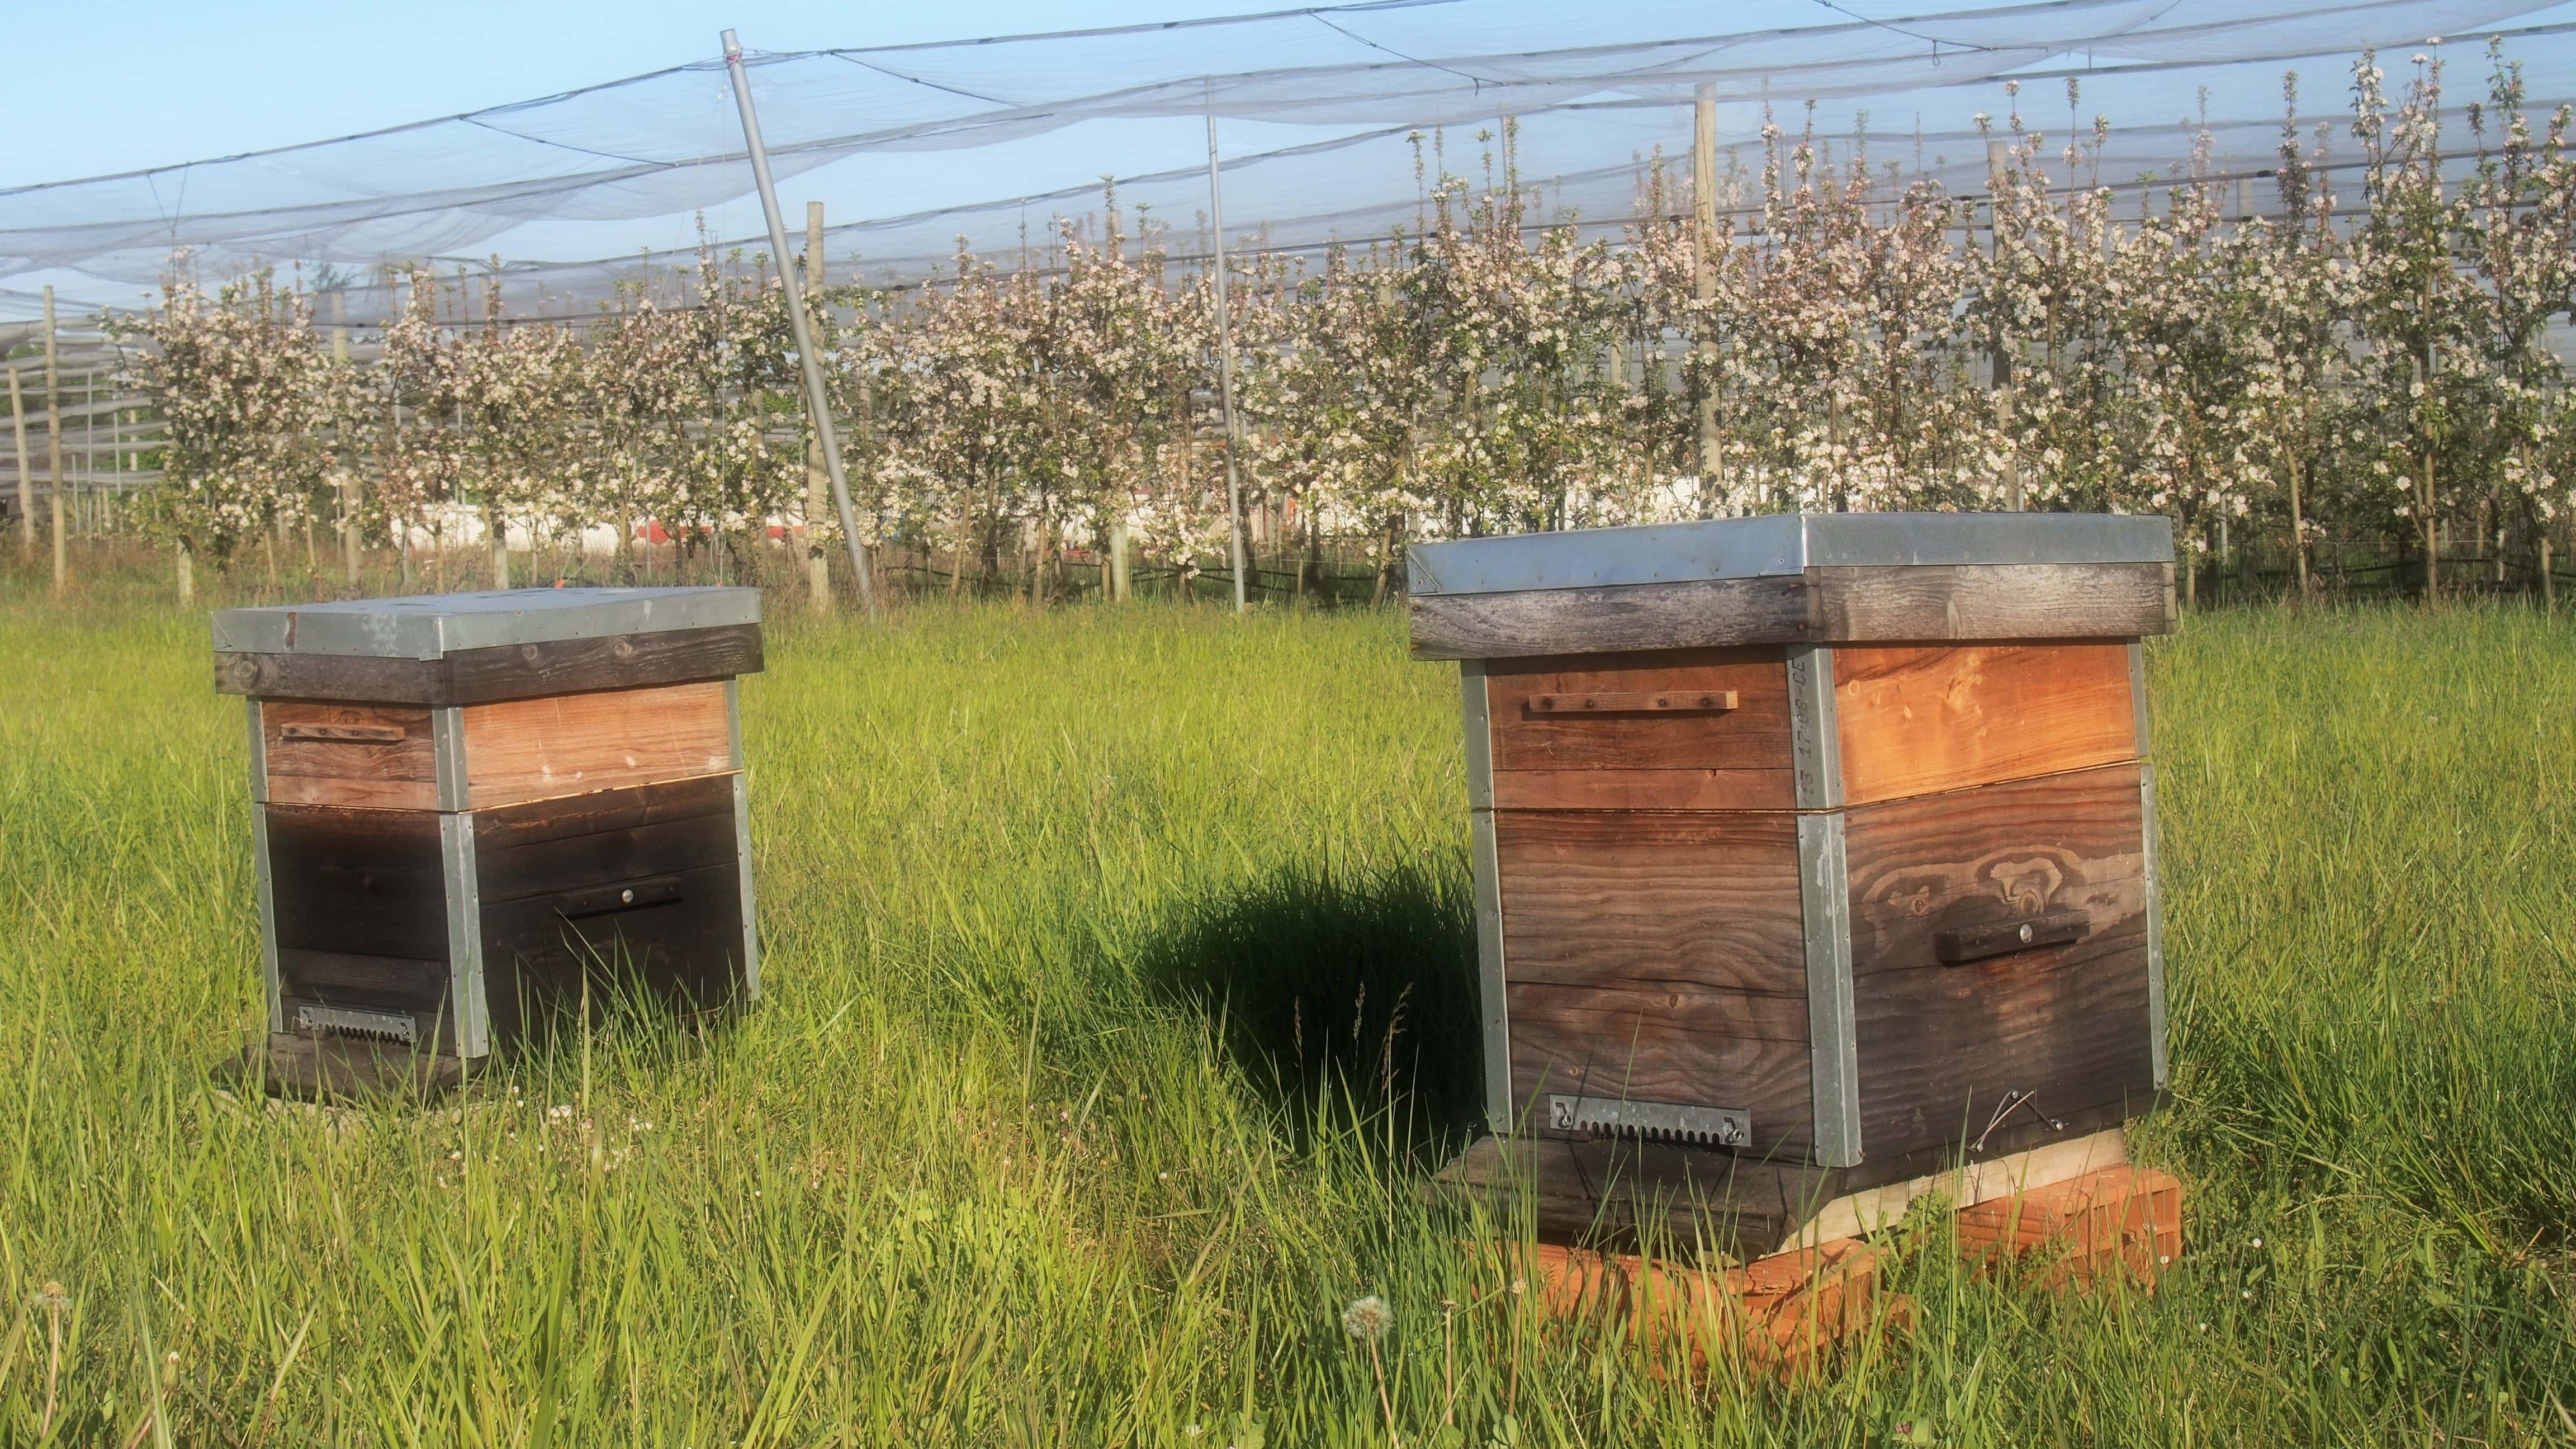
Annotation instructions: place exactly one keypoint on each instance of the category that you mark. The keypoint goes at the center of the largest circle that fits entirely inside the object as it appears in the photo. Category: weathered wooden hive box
(471, 808)
(1811, 852)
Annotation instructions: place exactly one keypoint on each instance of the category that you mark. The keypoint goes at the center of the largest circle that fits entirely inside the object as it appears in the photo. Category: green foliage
(1115, 979)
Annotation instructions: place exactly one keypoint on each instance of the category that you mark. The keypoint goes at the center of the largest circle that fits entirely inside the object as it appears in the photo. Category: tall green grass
(1119, 966)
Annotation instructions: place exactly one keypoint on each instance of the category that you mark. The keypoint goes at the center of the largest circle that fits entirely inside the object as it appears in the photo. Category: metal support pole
(818, 568)
(1225, 358)
(817, 400)
(1712, 457)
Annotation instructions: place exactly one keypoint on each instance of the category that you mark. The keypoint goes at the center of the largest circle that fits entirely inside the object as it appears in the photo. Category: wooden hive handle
(1652, 701)
(1976, 943)
(343, 734)
(660, 890)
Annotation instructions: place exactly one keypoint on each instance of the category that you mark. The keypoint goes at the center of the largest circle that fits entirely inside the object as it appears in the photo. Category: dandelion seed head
(1368, 1319)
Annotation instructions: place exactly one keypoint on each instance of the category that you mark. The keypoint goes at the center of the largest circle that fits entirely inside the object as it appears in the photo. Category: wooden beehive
(1811, 852)
(474, 809)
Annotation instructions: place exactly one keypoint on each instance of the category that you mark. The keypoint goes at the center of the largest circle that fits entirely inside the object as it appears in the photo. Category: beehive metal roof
(1775, 545)
(432, 626)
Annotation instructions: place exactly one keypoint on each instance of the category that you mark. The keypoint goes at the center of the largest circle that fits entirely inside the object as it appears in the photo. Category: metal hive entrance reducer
(1811, 851)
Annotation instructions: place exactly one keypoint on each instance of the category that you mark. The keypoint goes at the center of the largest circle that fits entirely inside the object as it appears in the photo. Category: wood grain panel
(1568, 1039)
(1917, 719)
(399, 774)
(340, 978)
(1940, 1045)
(1754, 735)
(1735, 759)
(1708, 613)
(507, 827)
(1682, 1005)
(656, 848)
(608, 661)
(361, 882)
(1614, 898)
(536, 749)
(1645, 789)
(1992, 601)
(1990, 856)
(1881, 603)
(511, 671)
(685, 951)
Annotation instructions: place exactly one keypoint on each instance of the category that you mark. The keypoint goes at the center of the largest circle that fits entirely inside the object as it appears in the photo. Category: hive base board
(1965, 1186)
(1611, 1193)
(314, 1068)
(1780, 1314)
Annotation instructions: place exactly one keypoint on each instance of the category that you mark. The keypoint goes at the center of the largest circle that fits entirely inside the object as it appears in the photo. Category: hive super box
(1811, 852)
(471, 807)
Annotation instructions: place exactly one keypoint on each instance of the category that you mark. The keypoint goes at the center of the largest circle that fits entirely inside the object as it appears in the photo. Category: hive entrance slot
(1651, 1121)
(384, 1026)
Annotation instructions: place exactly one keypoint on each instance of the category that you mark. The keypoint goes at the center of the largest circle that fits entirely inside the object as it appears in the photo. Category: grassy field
(1073, 923)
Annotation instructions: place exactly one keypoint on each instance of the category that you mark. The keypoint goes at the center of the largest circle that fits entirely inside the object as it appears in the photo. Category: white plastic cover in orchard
(1328, 110)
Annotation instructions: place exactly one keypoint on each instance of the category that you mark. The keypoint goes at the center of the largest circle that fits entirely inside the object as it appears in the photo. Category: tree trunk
(500, 551)
(349, 523)
(2298, 530)
(2432, 535)
(187, 577)
(818, 570)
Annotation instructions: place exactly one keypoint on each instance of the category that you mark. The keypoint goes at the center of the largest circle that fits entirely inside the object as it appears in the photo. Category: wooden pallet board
(341, 1068)
(1782, 1314)
(2119, 1223)
(1786, 1312)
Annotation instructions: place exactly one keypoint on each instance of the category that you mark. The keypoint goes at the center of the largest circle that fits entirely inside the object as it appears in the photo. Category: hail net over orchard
(1330, 118)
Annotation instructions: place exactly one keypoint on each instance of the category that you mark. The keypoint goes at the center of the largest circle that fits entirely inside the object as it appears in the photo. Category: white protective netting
(917, 149)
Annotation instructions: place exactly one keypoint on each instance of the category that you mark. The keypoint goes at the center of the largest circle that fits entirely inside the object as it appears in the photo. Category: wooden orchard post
(818, 568)
(26, 485)
(54, 444)
(349, 549)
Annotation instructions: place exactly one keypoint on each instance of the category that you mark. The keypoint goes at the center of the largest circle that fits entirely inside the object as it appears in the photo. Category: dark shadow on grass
(1341, 994)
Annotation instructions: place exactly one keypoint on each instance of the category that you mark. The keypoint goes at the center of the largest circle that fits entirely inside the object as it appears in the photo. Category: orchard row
(2369, 358)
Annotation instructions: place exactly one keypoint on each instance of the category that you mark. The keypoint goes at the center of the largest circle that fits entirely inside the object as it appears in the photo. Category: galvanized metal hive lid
(432, 626)
(1779, 544)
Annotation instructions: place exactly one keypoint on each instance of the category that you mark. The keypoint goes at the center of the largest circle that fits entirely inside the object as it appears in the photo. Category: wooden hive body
(473, 809)
(1857, 876)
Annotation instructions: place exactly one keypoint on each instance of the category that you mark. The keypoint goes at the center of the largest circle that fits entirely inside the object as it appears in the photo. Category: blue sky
(150, 82)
